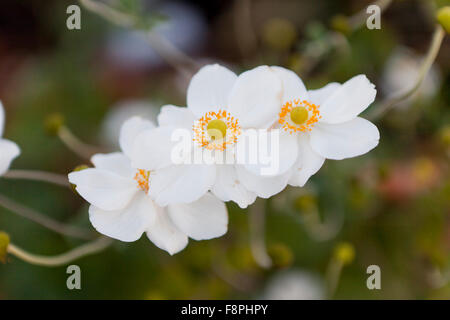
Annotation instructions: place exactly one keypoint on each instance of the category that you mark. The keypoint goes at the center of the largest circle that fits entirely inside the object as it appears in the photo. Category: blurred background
(390, 207)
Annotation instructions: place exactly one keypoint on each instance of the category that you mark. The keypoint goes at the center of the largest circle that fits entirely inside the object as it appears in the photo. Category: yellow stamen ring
(216, 130)
(141, 178)
(302, 116)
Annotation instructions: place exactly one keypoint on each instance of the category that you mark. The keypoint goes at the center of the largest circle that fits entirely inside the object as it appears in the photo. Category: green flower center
(299, 115)
(216, 129)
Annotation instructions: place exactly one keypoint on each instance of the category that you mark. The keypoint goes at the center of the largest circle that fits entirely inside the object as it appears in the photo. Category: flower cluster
(142, 189)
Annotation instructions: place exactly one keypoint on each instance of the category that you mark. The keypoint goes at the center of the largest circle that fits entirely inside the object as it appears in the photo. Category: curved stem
(44, 221)
(36, 175)
(333, 275)
(433, 51)
(257, 217)
(62, 259)
(80, 148)
(174, 57)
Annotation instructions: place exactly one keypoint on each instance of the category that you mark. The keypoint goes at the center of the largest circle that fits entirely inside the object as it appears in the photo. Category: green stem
(43, 220)
(62, 259)
(433, 51)
(36, 175)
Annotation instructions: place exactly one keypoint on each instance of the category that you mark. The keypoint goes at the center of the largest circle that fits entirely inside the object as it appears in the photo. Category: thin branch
(257, 238)
(62, 259)
(174, 57)
(433, 51)
(333, 275)
(43, 220)
(80, 148)
(35, 175)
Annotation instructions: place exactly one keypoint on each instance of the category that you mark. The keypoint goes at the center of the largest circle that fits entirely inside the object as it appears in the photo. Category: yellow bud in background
(53, 123)
(340, 24)
(281, 255)
(4, 243)
(344, 252)
(279, 33)
(305, 203)
(443, 17)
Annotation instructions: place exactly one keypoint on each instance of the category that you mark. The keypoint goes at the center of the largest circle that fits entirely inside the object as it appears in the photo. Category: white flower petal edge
(228, 187)
(127, 224)
(115, 162)
(293, 87)
(256, 97)
(165, 235)
(178, 117)
(264, 187)
(344, 140)
(8, 152)
(319, 96)
(209, 89)
(308, 163)
(182, 183)
(348, 101)
(152, 149)
(204, 219)
(104, 189)
(2, 118)
(129, 130)
(280, 159)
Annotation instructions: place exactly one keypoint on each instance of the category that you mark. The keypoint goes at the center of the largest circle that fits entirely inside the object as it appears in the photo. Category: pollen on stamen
(142, 177)
(208, 141)
(292, 127)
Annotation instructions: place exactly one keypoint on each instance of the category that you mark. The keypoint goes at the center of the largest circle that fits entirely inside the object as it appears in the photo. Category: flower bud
(443, 17)
(345, 253)
(340, 24)
(4, 243)
(279, 34)
(281, 255)
(53, 123)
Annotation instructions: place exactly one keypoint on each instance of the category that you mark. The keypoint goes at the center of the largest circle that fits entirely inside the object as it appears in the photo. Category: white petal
(181, 183)
(2, 118)
(275, 151)
(293, 87)
(203, 219)
(165, 235)
(129, 131)
(255, 99)
(115, 162)
(264, 187)
(178, 117)
(8, 152)
(319, 96)
(209, 89)
(308, 163)
(153, 149)
(348, 101)
(104, 189)
(228, 187)
(344, 140)
(127, 224)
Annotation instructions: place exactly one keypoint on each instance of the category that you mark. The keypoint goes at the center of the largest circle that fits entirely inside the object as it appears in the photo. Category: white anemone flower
(122, 205)
(218, 101)
(325, 122)
(8, 149)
